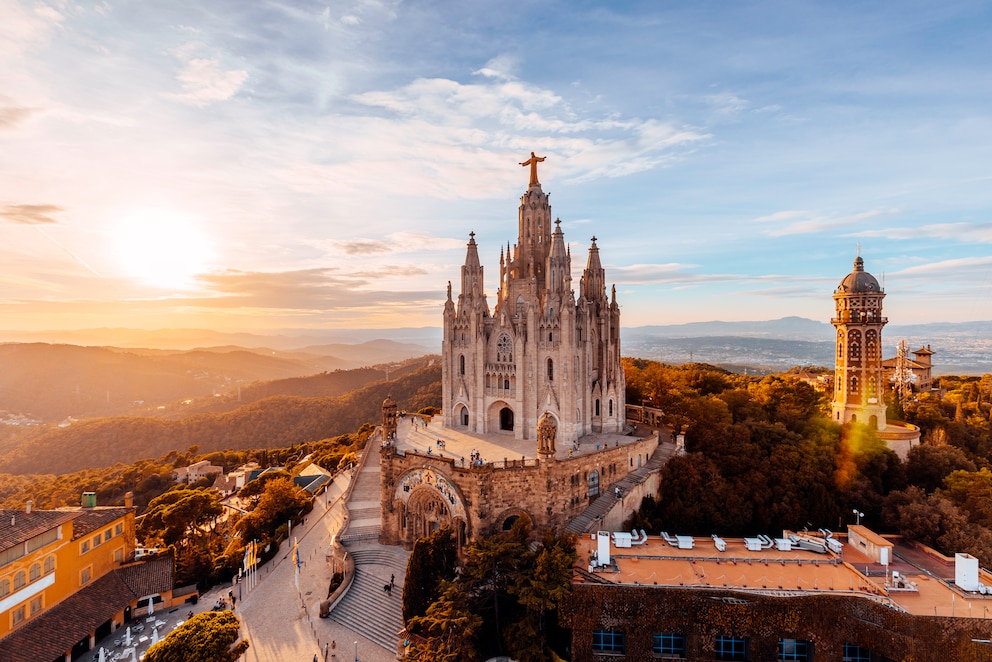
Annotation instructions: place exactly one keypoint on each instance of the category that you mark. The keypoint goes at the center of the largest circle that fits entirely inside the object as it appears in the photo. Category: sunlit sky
(272, 165)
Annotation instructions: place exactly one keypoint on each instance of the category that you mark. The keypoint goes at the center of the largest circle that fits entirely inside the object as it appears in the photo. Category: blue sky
(260, 165)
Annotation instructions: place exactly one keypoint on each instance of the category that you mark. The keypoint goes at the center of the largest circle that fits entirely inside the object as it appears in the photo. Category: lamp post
(858, 514)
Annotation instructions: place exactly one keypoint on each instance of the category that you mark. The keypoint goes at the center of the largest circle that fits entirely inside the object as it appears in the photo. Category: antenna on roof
(859, 249)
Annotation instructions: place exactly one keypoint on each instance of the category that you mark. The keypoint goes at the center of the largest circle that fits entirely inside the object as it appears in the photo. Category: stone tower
(858, 384)
(541, 350)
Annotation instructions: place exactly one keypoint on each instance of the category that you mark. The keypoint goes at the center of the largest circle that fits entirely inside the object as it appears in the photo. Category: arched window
(461, 364)
(506, 419)
(20, 579)
(597, 407)
(4, 588)
(506, 384)
(551, 370)
(854, 384)
(35, 572)
(611, 407)
(49, 565)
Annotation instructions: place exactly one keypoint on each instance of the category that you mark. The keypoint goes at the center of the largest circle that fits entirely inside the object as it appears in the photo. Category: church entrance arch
(429, 500)
(462, 415)
(506, 419)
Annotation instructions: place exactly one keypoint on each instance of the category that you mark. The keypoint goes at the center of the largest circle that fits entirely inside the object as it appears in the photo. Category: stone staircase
(606, 501)
(366, 608)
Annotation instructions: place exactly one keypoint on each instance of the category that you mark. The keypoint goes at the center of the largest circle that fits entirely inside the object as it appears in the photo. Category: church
(540, 350)
(533, 418)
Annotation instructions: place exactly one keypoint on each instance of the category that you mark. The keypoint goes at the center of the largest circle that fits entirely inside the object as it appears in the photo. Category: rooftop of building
(917, 580)
(87, 520)
(19, 526)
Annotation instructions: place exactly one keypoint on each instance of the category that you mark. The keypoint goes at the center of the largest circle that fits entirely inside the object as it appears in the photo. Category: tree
(491, 567)
(929, 464)
(432, 561)
(208, 637)
(279, 502)
(449, 628)
(541, 590)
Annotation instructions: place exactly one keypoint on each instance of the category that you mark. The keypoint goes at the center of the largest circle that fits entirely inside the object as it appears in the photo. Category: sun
(161, 248)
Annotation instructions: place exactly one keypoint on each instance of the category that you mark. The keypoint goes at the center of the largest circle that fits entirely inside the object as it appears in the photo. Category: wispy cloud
(204, 79)
(949, 269)
(963, 232)
(11, 116)
(792, 222)
(30, 214)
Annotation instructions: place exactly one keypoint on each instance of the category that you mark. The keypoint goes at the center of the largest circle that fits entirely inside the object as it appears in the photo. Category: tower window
(461, 364)
(597, 407)
(504, 349)
(611, 408)
(551, 370)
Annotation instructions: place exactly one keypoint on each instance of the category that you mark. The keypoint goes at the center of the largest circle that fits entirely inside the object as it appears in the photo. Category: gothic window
(461, 364)
(551, 370)
(854, 384)
(611, 408)
(597, 407)
(506, 384)
(855, 350)
(871, 387)
(521, 306)
(504, 349)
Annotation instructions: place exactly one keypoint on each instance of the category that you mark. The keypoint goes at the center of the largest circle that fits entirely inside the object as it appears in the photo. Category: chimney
(88, 500)
(27, 508)
(129, 499)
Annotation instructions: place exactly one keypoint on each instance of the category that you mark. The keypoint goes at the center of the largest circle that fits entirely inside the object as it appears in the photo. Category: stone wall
(420, 492)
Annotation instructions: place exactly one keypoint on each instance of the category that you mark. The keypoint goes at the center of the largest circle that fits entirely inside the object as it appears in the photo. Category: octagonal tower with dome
(858, 385)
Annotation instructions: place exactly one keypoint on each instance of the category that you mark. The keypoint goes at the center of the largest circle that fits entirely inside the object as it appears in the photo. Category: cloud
(203, 79)
(396, 242)
(319, 289)
(11, 116)
(803, 222)
(501, 67)
(30, 214)
(963, 232)
(948, 269)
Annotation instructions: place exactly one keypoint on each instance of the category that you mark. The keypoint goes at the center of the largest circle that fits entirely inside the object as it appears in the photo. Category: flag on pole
(297, 562)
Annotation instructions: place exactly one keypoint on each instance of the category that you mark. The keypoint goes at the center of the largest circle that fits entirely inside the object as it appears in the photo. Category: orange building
(66, 579)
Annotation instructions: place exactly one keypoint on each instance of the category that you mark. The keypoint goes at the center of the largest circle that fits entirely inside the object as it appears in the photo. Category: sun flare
(162, 248)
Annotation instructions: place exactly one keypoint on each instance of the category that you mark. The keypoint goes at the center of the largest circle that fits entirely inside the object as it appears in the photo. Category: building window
(20, 579)
(607, 641)
(118, 555)
(96, 541)
(461, 364)
(854, 653)
(18, 615)
(794, 649)
(85, 547)
(4, 588)
(611, 408)
(85, 575)
(35, 572)
(118, 529)
(36, 606)
(49, 565)
(107, 535)
(670, 646)
(504, 349)
(597, 407)
(551, 370)
(730, 648)
(593, 483)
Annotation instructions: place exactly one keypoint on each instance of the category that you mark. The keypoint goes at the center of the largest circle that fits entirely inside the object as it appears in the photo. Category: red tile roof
(28, 525)
(88, 520)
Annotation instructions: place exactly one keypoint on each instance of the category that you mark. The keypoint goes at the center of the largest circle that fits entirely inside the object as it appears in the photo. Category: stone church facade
(541, 351)
(542, 366)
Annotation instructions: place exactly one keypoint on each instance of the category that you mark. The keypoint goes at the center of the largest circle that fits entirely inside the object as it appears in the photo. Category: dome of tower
(859, 280)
